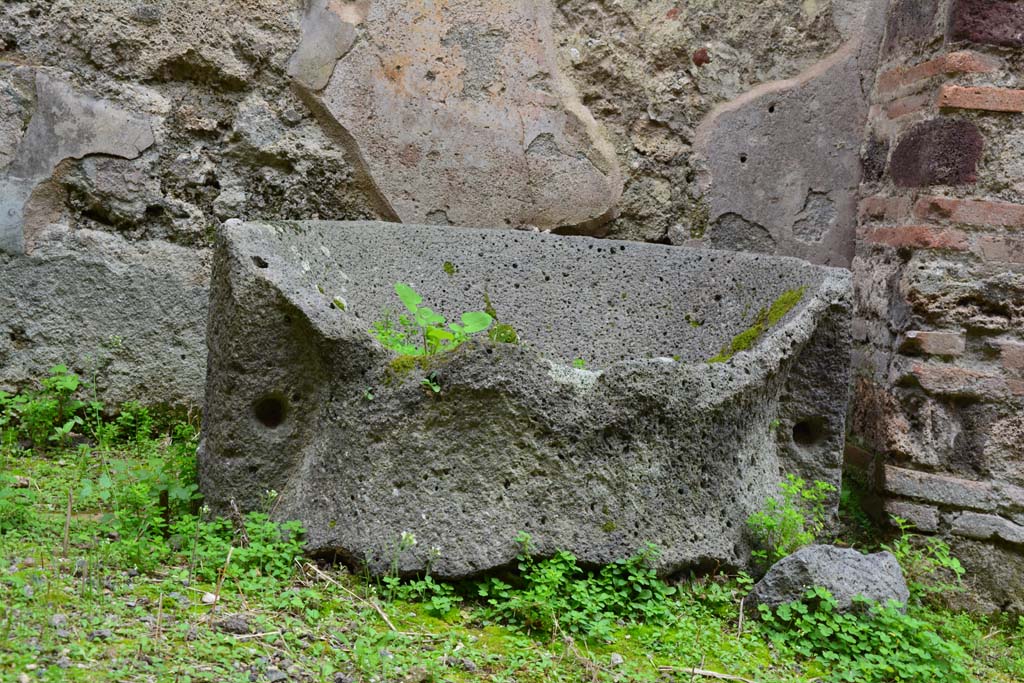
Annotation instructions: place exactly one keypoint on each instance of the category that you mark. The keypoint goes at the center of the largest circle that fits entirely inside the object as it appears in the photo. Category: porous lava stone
(876, 153)
(937, 152)
(994, 22)
(909, 21)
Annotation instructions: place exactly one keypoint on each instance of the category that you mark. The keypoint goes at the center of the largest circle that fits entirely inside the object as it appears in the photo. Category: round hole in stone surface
(809, 432)
(270, 411)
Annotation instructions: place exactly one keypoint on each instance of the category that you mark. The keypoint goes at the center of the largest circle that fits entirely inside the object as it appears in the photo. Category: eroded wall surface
(146, 124)
(128, 132)
(940, 283)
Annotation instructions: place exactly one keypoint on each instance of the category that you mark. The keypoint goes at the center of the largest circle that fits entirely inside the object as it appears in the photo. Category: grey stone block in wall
(64, 124)
(649, 442)
(130, 315)
(460, 116)
(845, 572)
(781, 164)
(986, 527)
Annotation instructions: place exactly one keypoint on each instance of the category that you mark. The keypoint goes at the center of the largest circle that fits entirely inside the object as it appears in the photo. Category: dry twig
(704, 673)
(376, 607)
(67, 526)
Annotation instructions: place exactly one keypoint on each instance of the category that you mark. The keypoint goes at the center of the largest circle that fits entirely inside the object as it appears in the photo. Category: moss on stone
(609, 527)
(503, 334)
(784, 304)
(403, 365)
(766, 318)
(699, 215)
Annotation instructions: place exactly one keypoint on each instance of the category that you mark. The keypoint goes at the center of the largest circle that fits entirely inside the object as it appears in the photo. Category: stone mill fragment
(650, 442)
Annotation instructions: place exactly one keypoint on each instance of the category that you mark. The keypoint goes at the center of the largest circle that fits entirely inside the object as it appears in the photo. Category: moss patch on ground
(111, 570)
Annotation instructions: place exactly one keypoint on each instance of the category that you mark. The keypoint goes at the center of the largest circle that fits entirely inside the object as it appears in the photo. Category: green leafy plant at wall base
(871, 644)
(786, 524)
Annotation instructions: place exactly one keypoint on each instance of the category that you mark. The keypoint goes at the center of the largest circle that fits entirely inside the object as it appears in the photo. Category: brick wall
(939, 394)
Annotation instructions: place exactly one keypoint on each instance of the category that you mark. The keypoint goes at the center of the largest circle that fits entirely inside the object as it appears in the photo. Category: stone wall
(940, 282)
(128, 131)
(131, 129)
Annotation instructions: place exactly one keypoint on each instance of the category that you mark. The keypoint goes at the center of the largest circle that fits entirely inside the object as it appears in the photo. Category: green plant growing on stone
(424, 332)
(786, 524)
(430, 382)
(501, 333)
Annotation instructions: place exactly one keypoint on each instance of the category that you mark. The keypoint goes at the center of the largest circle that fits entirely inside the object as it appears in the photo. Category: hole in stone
(771, 108)
(743, 158)
(270, 411)
(259, 262)
(809, 432)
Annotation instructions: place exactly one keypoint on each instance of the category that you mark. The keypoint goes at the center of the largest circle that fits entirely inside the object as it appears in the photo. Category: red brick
(949, 380)
(891, 209)
(1002, 249)
(962, 62)
(971, 212)
(934, 343)
(908, 105)
(856, 457)
(919, 237)
(988, 99)
(1011, 354)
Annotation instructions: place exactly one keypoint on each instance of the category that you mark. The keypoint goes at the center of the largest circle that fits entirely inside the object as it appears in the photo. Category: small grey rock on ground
(234, 623)
(845, 572)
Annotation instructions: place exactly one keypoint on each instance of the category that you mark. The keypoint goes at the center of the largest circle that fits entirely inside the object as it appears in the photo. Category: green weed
(871, 644)
(788, 523)
(423, 332)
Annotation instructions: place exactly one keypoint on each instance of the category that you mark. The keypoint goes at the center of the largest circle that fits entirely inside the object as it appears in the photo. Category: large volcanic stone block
(650, 442)
(129, 315)
(779, 164)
